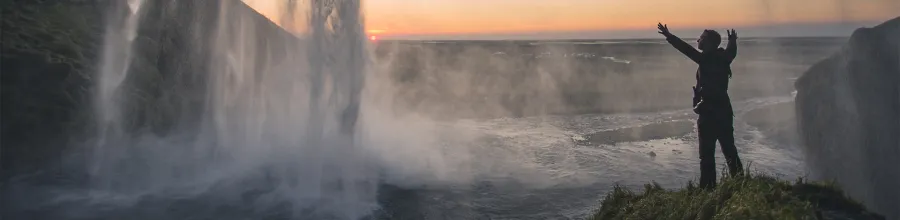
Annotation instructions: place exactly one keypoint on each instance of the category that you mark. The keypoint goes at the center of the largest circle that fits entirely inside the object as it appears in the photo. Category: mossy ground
(753, 196)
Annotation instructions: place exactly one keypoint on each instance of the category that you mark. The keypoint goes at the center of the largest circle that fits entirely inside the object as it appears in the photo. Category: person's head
(709, 40)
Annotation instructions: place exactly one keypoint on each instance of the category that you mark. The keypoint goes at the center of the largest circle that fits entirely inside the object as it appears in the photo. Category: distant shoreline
(576, 40)
(785, 30)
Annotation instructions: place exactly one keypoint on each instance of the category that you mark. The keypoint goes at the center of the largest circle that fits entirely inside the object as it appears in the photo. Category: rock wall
(50, 57)
(47, 60)
(848, 109)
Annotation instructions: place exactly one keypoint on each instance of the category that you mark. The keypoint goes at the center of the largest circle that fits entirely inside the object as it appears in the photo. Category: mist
(323, 121)
(209, 109)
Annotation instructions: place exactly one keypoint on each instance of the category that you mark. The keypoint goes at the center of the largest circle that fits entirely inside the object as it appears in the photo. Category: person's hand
(663, 29)
(732, 35)
(700, 107)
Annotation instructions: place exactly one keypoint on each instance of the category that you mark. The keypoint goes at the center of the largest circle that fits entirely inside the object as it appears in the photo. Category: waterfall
(115, 63)
(279, 116)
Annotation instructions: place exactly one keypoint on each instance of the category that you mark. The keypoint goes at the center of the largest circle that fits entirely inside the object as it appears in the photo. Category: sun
(373, 38)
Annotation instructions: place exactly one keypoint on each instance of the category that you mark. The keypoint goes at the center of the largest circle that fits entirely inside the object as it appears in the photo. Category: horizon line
(794, 29)
(612, 39)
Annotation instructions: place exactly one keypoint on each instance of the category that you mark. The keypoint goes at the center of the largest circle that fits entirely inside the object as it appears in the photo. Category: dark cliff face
(848, 112)
(51, 52)
(176, 50)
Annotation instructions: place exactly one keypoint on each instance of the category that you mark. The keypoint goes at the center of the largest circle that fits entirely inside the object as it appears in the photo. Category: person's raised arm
(679, 44)
(731, 49)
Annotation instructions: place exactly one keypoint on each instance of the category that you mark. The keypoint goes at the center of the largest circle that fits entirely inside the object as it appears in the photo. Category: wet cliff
(49, 51)
(51, 55)
(848, 114)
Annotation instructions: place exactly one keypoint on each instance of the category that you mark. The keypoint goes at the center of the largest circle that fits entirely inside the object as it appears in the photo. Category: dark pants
(717, 124)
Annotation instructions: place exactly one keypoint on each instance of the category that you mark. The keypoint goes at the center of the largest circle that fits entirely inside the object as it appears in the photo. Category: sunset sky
(400, 18)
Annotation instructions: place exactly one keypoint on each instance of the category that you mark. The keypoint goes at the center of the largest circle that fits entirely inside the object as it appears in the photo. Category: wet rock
(50, 56)
(48, 52)
(848, 109)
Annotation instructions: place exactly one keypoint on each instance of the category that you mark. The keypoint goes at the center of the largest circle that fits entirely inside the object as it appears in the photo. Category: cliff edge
(848, 117)
(749, 197)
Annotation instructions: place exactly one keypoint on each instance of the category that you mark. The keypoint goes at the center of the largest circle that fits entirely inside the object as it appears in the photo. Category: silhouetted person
(711, 100)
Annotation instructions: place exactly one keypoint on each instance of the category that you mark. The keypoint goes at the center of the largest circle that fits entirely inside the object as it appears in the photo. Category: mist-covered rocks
(51, 57)
(848, 109)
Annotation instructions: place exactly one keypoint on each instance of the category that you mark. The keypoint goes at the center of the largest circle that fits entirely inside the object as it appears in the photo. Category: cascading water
(211, 111)
(280, 118)
(115, 64)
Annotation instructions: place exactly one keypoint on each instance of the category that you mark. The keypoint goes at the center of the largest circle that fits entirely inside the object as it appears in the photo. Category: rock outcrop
(51, 53)
(848, 114)
(47, 59)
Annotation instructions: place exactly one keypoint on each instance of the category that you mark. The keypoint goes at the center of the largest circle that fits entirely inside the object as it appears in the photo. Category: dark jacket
(714, 70)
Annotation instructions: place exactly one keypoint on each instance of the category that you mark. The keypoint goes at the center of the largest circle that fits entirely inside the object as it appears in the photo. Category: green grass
(747, 197)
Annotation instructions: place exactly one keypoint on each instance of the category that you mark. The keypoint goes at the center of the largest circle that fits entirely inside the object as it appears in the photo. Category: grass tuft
(752, 196)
